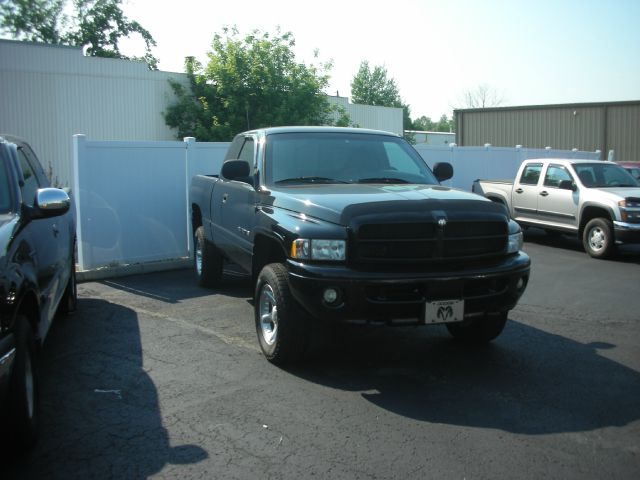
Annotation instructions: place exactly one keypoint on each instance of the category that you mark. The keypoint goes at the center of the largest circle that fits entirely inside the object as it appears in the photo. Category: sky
(531, 52)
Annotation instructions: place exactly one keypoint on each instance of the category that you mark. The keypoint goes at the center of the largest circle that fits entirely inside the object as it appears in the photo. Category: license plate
(444, 311)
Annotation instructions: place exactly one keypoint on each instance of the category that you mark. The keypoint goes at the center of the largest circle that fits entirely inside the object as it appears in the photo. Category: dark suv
(37, 279)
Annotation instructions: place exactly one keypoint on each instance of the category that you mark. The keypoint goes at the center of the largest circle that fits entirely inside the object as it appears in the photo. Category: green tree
(97, 26)
(250, 82)
(375, 87)
(426, 124)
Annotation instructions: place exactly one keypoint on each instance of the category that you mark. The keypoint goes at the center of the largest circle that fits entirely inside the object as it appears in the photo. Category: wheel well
(196, 217)
(589, 213)
(266, 250)
(496, 199)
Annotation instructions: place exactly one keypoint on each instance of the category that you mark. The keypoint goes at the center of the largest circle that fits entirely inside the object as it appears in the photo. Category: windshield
(604, 175)
(341, 157)
(5, 194)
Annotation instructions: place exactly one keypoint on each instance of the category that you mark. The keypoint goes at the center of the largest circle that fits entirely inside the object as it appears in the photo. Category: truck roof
(293, 129)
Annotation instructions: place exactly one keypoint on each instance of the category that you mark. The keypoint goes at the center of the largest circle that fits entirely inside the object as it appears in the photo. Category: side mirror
(567, 185)
(235, 170)
(443, 171)
(51, 202)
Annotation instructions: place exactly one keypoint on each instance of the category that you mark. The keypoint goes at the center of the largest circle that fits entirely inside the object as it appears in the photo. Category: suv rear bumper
(626, 232)
(374, 296)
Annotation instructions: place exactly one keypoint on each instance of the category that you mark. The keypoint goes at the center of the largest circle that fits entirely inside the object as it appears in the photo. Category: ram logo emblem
(444, 313)
(442, 223)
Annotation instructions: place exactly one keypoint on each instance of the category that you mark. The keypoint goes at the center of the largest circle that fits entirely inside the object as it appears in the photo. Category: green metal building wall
(586, 126)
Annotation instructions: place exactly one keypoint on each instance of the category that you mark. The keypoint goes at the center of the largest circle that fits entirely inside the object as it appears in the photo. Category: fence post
(79, 152)
(190, 145)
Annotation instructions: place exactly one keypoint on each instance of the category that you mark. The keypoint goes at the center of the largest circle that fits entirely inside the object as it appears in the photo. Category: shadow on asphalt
(624, 253)
(528, 381)
(100, 416)
(179, 285)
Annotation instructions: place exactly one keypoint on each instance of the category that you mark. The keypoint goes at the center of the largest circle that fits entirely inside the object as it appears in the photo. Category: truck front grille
(427, 241)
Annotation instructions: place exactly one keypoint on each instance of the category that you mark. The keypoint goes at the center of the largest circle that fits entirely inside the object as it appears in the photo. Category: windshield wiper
(310, 180)
(382, 180)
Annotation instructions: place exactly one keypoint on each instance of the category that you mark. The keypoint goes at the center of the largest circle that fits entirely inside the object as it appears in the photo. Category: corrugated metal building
(585, 126)
(388, 119)
(48, 93)
(432, 138)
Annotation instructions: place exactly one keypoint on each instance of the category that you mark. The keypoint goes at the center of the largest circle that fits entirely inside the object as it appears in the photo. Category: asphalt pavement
(156, 377)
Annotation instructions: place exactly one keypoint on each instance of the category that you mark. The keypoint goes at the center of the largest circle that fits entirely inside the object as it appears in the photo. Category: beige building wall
(589, 127)
(49, 93)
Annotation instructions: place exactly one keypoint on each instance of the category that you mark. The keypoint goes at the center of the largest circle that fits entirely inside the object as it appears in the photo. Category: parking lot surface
(156, 377)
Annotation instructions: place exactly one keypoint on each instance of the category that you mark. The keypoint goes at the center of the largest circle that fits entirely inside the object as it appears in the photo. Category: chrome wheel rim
(198, 257)
(268, 314)
(597, 239)
(28, 385)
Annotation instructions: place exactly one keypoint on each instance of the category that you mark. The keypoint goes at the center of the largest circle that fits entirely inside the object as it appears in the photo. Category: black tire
(281, 324)
(207, 260)
(23, 389)
(597, 238)
(69, 301)
(479, 330)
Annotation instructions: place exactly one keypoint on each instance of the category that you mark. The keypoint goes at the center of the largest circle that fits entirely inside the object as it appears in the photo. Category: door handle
(544, 193)
(56, 230)
(519, 190)
(224, 198)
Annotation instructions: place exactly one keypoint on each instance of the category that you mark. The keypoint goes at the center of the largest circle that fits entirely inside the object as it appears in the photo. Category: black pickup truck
(338, 224)
(37, 279)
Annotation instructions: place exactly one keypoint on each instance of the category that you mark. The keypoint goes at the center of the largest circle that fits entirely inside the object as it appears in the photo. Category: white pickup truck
(599, 201)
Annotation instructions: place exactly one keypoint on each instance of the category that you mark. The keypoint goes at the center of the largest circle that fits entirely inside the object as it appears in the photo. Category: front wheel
(23, 390)
(597, 238)
(281, 324)
(479, 330)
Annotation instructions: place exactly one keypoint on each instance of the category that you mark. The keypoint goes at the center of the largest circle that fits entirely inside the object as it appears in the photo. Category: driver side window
(31, 185)
(246, 153)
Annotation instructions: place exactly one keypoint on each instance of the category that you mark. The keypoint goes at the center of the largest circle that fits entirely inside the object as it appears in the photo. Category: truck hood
(618, 193)
(339, 204)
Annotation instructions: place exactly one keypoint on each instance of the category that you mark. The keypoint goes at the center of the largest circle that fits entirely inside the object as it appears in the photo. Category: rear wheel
(281, 324)
(207, 260)
(597, 238)
(479, 330)
(23, 390)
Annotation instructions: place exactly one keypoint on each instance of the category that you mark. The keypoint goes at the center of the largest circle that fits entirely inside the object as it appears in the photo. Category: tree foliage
(97, 26)
(423, 123)
(250, 81)
(375, 87)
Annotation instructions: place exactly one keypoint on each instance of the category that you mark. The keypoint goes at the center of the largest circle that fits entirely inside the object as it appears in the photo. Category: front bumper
(626, 232)
(400, 296)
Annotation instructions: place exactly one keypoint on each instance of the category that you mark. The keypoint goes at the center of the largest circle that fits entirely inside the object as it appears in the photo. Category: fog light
(330, 295)
(520, 284)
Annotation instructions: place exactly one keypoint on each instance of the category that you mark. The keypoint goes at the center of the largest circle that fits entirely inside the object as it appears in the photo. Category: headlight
(515, 237)
(312, 249)
(630, 210)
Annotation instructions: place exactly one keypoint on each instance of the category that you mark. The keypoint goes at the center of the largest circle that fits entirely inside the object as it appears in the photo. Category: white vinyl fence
(132, 197)
(488, 162)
